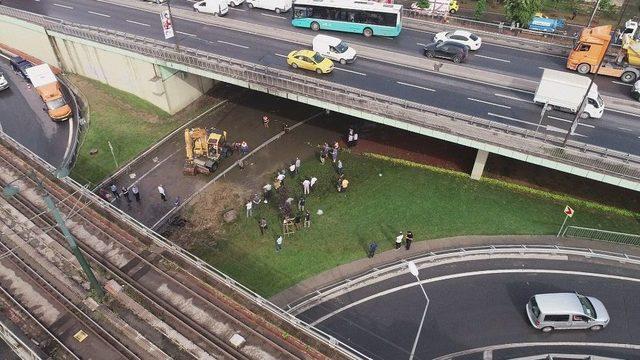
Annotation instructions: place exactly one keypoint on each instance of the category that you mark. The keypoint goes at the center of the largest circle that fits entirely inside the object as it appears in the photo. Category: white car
(3, 82)
(635, 91)
(470, 40)
(215, 7)
(234, 3)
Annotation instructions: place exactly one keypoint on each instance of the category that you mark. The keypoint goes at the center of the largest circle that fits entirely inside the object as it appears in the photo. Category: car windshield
(587, 306)
(534, 307)
(54, 104)
(317, 58)
(473, 37)
(600, 101)
(342, 47)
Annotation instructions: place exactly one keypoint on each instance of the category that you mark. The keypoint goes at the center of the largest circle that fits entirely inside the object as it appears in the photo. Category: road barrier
(602, 235)
(446, 124)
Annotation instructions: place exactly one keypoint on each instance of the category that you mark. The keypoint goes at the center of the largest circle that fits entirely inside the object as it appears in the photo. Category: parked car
(309, 60)
(279, 6)
(214, 7)
(4, 84)
(447, 50)
(549, 312)
(20, 65)
(635, 91)
(472, 41)
(234, 3)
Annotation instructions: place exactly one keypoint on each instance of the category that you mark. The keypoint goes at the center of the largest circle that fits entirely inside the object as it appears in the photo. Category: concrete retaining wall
(27, 37)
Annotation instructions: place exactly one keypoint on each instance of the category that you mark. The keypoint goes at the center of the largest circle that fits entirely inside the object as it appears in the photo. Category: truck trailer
(48, 88)
(565, 91)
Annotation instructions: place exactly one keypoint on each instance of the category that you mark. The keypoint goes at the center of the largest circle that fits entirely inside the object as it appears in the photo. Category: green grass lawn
(128, 122)
(385, 197)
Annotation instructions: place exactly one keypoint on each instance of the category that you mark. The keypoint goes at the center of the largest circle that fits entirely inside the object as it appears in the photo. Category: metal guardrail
(465, 126)
(192, 259)
(299, 305)
(602, 235)
(23, 349)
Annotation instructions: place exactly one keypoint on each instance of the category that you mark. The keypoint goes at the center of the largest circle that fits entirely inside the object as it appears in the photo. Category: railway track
(186, 311)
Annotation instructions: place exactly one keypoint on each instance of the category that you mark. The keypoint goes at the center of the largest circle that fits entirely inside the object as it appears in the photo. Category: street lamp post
(414, 271)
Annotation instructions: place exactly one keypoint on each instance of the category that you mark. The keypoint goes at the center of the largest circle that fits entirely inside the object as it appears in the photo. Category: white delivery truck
(334, 49)
(565, 91)
(215, 7)
(279, 6)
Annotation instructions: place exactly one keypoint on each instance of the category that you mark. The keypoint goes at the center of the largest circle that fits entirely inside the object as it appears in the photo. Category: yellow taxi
(309, 60)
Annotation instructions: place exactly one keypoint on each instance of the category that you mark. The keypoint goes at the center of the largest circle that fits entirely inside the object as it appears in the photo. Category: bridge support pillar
(478, 165)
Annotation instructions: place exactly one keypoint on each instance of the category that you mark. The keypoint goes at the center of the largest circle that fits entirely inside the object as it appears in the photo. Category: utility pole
(173, 25)
(593, 14)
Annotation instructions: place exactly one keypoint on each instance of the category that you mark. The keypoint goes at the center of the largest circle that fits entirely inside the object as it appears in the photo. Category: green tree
(481, 7)
(423, 4)
(521, 11)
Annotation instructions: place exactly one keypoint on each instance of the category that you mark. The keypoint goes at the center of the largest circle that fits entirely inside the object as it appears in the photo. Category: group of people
(400, 238)
(325, 151)
(124, 192)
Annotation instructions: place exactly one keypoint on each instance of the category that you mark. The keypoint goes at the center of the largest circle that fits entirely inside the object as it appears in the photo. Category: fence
(603, 235)
(446, 122)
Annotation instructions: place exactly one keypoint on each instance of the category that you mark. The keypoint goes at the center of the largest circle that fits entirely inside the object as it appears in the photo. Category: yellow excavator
(205, 148)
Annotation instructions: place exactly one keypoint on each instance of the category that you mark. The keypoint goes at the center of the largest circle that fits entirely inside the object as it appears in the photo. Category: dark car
(448, 50)
(20, 65)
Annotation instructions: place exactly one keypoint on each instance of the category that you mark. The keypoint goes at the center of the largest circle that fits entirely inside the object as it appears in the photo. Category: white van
(334, 49)
(279, 6)
(234, 3)
(215, 7)
(566, 311)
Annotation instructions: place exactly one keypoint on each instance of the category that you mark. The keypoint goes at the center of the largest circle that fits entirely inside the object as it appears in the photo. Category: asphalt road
(23, 119)
(477, 304)
(615, 130)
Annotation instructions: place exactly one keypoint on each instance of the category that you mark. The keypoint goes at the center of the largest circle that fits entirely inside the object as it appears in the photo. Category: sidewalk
(424, 247)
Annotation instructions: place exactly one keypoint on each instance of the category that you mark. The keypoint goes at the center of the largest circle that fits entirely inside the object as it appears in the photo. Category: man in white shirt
(279, 244)
(163, 195)
(305, 186)
(399, 240)
(249, 207)
(313, 181)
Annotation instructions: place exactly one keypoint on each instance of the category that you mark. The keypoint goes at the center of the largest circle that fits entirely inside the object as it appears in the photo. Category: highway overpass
(492, 112)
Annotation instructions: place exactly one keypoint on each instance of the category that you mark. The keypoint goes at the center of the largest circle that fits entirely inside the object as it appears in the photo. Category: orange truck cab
(48, 88)
(592, 48)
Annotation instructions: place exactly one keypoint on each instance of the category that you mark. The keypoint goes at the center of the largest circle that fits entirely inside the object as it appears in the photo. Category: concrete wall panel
(27, 37)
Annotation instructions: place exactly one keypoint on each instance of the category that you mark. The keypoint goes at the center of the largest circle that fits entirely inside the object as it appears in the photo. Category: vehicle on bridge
(592, 49)
(48, 88)
(361, 17)
(448, 50)
(565, 92)
(279, 6)
(214, 7)
(561, 311)
(635, 91)
(463, 37)
(334, 49)
(20, 65)
(309, 60)
(205, 148)
(4, 84)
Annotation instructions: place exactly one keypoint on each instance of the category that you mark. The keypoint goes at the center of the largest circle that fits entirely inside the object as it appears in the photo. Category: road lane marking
(415, 86)
(69, 139)
(621, 83)
(492, 58)
(623, 112)
(570, 121)
(153, 168)
(284, 56)
(236, 9)
(186, 33)
(625, 129)
(510, 118)
(465, 353)
(232, 44)
(99, 14)
(63, 6)
(351, 71)
(470, 274)
(137, 23)
(562, 131)
(513, 98)
(421, 44)
(490, 103)
(274, 16)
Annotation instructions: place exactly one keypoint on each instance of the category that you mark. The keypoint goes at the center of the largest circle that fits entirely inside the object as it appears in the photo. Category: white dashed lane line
(492, 58)
(236, 9)
(415, 86)
(621, 83)
(570, 121)
(511, 119)
(283, 56)
(625, 129)
(137, 23)
(99, 14)
(274, 16)
(350, 71)
(513, 98)
(421, 44)
(232, 44)
(489, 103)
(186, 33)
(63, 6)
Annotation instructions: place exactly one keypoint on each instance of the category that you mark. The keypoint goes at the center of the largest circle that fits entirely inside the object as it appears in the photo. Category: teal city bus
(361, 17)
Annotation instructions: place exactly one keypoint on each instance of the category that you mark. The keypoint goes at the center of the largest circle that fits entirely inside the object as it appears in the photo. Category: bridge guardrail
(192, 259)
(472, 128)
(401, 265)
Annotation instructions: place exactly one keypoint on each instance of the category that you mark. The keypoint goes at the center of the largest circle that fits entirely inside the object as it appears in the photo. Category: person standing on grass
(114, 191)
(301, 202)
(298, 163)
(163, 195)
(279, 244)
(408, 240)
(306, 186)
(125, 193)
(263, 225)
(244, 148)
(355, 139)
(136, 192)
(265, 121)
(249, 206)
(339, 167)
(307, 219)
(350, 138)
(292, 168)
(399, 240)
(313, 182)
(297, 220)
(334, 154)
(373, 246)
